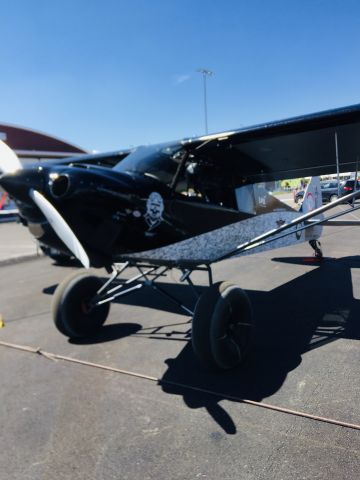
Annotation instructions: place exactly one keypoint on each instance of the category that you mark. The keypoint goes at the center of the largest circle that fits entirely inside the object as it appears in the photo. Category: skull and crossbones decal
(154, 210)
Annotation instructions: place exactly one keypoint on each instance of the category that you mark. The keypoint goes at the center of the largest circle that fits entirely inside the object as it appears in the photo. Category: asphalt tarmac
(63, 420)
(16, 243)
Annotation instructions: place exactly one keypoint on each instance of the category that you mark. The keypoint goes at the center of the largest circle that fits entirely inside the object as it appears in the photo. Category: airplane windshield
(159, 161)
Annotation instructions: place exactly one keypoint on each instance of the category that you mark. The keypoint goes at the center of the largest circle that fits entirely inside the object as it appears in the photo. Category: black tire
(333, 198)
(70, 314)
(222, 330)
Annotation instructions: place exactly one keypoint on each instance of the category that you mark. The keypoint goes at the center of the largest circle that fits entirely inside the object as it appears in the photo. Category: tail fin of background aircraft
(312, 196)
(312, 200)
(9, 161)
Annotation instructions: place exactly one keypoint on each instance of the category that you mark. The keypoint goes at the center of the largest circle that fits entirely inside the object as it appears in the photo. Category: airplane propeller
(61, 228)
(9, 161)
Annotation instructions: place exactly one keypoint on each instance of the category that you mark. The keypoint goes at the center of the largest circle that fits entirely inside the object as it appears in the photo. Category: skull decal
(154, 210)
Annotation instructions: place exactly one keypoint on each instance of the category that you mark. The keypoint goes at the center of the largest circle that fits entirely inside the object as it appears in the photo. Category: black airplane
(183, 205)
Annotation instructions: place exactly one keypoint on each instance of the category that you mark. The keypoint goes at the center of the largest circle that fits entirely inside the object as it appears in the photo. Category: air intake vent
(60, 186)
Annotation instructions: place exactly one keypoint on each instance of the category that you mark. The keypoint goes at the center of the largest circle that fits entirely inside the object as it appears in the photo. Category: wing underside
(302, 146)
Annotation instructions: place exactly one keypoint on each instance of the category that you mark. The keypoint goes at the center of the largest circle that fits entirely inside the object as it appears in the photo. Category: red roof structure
(31, 144)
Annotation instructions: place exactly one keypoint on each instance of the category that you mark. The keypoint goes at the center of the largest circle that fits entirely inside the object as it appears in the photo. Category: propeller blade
(9, 161)
(61, 228)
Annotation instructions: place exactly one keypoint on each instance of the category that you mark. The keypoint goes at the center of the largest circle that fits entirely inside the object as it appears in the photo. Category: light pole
(205, 73)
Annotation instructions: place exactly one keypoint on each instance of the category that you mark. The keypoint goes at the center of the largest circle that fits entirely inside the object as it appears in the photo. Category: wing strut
(263, 239)
(309, 224)
(337, 163)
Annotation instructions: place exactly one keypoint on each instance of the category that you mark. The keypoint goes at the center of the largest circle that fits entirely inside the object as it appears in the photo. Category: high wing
(301, 146)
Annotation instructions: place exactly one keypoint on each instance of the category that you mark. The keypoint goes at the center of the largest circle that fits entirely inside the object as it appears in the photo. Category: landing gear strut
(222, 325)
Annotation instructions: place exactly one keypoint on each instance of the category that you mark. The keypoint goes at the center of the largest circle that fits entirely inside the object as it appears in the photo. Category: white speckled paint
(208, 247)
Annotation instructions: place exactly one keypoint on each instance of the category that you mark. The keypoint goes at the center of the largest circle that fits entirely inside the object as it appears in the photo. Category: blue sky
(112, 74)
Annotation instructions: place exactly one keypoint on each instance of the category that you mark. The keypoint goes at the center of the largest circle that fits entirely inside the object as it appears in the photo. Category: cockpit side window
(208, 181)
(188, 174)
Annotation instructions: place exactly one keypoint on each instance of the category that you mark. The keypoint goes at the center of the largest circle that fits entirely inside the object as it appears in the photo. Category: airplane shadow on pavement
(315, 308)
(303, 314)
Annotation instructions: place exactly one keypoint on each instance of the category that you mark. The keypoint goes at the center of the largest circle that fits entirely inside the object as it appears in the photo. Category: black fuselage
(113, 212)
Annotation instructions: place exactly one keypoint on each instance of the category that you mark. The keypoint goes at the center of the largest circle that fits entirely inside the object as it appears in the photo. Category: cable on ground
(55, 357)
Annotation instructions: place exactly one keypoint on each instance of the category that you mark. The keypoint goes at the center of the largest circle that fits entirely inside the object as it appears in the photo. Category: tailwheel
(316, 245)
(73, 314)
(222, 329)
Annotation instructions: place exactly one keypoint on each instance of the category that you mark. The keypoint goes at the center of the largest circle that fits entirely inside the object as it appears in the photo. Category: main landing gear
(222, 325)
